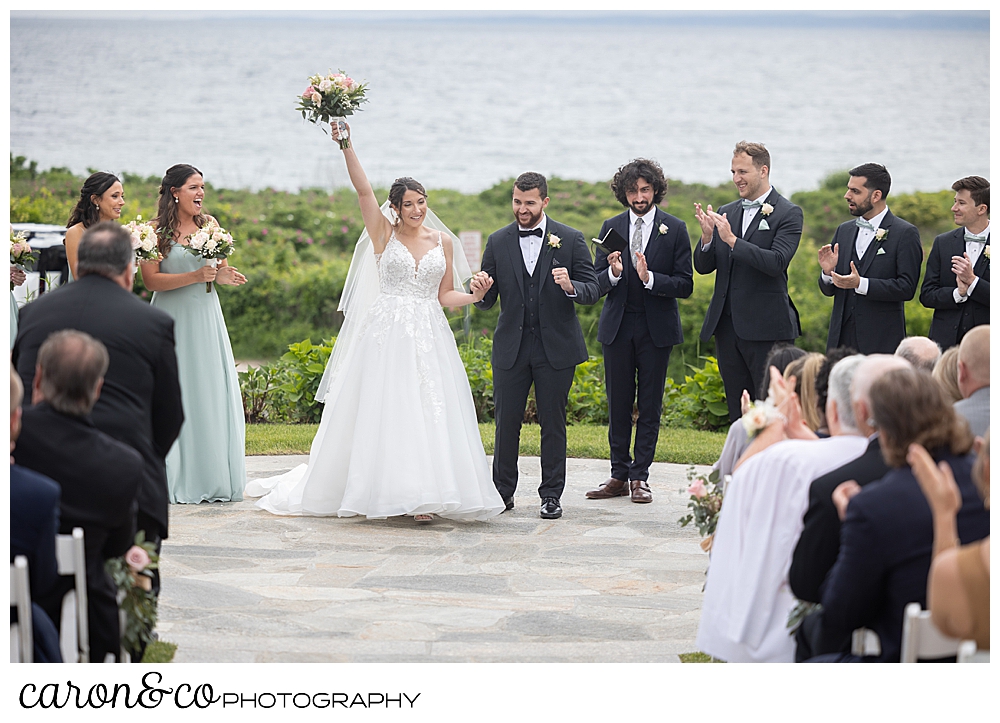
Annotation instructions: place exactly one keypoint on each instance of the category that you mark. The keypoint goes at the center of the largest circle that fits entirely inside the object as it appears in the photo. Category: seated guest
(946, 374)
(887, 534)
(747, 601)
(34, 522)
(958, 588)
(974, 379)
(823, 381)
(780, 356)
(921, 352)
(99, 476)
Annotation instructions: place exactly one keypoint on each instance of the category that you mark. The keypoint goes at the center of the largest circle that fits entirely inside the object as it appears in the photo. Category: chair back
(969, 652)
(921, 639)
(21, 644)
(71, 559)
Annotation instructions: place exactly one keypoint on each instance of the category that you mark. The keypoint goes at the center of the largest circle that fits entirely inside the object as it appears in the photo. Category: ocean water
(465, 104)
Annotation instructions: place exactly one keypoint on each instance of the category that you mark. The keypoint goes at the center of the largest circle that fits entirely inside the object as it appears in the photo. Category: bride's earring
(393, 216)
(176, 200)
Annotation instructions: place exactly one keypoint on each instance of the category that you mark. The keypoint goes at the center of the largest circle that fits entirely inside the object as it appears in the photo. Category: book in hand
(612, 241)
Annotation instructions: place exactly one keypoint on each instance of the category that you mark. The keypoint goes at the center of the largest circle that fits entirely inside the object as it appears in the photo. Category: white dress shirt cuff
(649, 282)
(862, 287)
(957, 296)
(827, 279)
(571, 296)
(706, 247)
(612, 278)
(972, 286)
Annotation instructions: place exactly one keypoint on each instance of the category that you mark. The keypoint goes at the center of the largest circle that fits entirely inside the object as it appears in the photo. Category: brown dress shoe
(612, 488)
(640, 491)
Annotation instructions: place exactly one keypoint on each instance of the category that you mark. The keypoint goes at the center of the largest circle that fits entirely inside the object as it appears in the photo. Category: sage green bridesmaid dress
(206, 462)
(13, 319)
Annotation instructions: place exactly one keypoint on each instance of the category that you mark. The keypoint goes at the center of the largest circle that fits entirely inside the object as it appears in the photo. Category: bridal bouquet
(144, 240)
(332, 97)
(21, 254)
(211, 242)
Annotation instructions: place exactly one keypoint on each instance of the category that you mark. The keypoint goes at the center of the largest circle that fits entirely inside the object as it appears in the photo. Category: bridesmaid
(101, 199)
(206, 463)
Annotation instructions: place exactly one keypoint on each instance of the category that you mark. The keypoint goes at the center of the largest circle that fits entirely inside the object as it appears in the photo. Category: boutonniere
(663, 229)
(766, 209)
(554, 241)
(881, 234)
(986, 251)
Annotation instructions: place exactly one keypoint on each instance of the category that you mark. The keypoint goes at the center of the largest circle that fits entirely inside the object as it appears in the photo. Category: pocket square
(880, 252)
(762, 226)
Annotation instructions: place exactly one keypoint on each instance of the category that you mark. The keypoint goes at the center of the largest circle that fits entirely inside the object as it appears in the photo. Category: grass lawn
(159, 651)
(681, 446)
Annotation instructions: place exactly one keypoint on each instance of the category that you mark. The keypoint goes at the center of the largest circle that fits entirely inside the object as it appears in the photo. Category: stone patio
(611, 581)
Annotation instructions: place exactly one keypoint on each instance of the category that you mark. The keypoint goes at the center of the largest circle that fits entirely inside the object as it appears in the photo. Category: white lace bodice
(400, 274)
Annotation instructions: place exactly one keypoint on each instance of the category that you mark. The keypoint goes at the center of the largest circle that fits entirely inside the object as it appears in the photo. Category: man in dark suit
(871, 267)
(640, 322)
(34, 523)
(888, 531)
(819, 543)
(748, 244)
(99, 477)
(957, 280)
(140, 401)
(541, 268)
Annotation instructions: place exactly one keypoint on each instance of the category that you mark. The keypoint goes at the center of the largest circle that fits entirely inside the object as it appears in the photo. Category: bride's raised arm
(377, 224)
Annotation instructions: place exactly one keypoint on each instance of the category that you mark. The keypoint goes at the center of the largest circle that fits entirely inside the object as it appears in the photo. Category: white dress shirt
(531, 248)
(647, 233)
(748, 216)
(861, 244)
(974, 250)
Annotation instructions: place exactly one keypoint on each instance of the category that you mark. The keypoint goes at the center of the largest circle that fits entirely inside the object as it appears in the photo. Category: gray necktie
(636, 241)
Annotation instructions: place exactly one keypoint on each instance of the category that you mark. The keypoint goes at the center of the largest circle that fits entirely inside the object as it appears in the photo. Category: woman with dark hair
(737, 441)
(206, 462)
(101, 199)
(399, 433)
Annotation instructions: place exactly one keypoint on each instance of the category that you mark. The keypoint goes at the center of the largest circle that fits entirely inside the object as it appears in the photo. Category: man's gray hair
(70, 365)
(105, 250)
(839, 389)
(921, 352)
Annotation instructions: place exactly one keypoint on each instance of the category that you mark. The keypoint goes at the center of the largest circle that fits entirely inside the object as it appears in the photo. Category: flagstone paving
(610, 581)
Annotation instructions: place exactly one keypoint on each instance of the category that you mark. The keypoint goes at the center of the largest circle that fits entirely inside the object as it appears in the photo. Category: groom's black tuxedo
(750, 308)
(952, 320)
(140, 402)
(638, 328)
(538, 339)
(892, 267)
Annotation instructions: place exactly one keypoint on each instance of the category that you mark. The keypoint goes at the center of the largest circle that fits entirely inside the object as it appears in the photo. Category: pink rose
(349, 83)
(136, 558)
(697, 488)
(308, 92)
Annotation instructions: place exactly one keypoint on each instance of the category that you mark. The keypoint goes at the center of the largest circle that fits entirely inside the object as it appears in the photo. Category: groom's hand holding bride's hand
(481, 283)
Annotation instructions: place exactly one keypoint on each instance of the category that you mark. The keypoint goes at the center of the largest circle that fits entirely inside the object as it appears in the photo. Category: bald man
(920, 351)
(974, 379)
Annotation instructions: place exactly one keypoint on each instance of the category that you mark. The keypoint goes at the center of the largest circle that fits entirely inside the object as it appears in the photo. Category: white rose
(325, 85)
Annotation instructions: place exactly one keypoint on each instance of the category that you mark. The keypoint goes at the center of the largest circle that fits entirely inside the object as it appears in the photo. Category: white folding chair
(969, 652)
(921, 639)
(21, 644)
(74, 633)
(865, 642)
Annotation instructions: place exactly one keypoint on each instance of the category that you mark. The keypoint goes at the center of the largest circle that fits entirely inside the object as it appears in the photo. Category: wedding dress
(399, 434)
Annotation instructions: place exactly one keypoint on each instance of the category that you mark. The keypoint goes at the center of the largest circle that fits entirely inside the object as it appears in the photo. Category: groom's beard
(531, 223)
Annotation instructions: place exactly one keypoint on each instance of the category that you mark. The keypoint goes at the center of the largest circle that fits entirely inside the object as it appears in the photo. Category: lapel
(982, 267)
(772, 198)
(621, 224)
(654, 246)
(736, 222)
(846, 252)
(513, 245)
(544, 263)
(873, 248)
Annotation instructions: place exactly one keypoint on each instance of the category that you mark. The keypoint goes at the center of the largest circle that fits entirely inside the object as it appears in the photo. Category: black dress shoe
(508, 503)
(550, 509)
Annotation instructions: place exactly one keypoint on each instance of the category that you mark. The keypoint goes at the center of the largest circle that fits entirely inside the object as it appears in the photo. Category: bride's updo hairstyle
(85, 211)
(166, 211)
(399, 188)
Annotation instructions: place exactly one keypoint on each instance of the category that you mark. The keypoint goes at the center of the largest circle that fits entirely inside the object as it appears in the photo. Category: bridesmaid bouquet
(144, 240)
(332, 97)
(211, 242)
(21, 254)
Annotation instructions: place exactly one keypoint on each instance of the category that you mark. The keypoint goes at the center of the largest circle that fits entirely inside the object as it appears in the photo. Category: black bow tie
(533, 232)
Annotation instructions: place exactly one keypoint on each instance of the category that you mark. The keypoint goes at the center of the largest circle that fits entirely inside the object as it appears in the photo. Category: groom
(541, 268)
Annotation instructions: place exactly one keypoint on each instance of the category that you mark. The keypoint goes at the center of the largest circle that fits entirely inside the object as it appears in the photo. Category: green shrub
(475, 356)
(699, 402)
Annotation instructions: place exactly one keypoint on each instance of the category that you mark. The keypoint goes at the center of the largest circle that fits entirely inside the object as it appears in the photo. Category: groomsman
(749, 244)
(871, 267)
(640, 322)
(957, 280)
(542, 268)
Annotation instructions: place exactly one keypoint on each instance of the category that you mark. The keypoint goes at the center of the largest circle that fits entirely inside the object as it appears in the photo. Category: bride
(399, 434)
